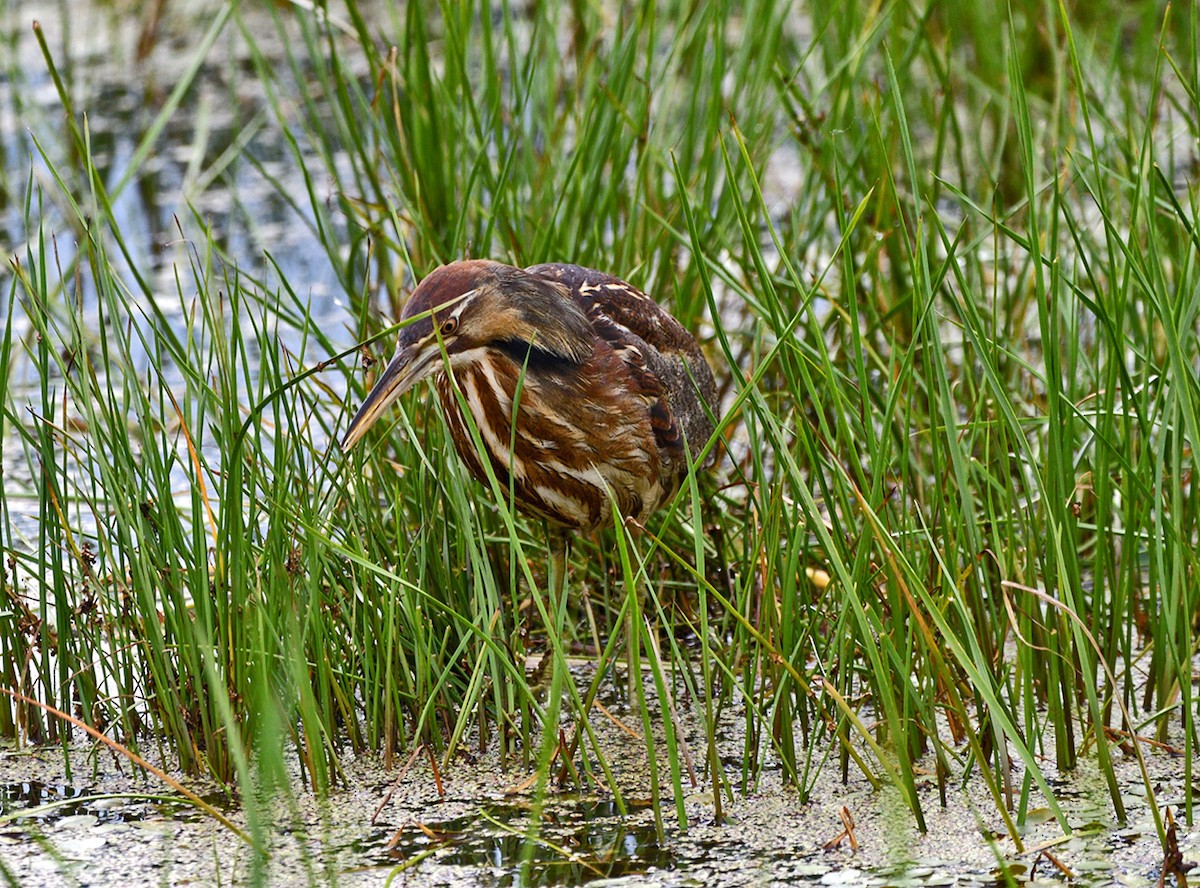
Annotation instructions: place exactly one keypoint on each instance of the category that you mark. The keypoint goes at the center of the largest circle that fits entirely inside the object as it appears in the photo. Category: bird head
(462, 309)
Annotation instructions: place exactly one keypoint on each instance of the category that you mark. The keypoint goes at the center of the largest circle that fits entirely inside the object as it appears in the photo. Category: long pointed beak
(410, 365)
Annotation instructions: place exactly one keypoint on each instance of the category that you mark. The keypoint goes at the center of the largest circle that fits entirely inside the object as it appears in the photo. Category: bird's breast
(581, 441)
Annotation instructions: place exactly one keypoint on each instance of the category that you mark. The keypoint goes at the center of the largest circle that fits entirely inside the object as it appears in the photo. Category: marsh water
(111, 825)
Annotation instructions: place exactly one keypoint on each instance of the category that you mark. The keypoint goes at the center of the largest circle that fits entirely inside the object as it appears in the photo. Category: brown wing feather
(662, 357)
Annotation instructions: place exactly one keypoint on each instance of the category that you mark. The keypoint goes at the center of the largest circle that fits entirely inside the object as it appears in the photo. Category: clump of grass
(949, 262)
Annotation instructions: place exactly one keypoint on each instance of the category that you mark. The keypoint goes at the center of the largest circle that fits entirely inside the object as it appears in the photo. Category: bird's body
(612, 395)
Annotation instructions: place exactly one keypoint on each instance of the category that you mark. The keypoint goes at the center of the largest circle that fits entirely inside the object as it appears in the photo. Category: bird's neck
(534, 357)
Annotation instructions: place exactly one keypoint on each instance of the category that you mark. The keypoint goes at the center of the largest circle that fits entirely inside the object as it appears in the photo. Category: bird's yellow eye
(449, 326)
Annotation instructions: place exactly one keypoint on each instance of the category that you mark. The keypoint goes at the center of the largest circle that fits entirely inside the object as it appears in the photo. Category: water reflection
(220, 165)
(579, 841)
(32, 802)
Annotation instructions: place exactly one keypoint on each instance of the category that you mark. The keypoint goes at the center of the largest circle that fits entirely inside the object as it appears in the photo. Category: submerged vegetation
(943, 258)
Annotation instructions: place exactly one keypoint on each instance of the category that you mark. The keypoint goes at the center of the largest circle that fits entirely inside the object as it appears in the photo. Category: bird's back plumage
(658, 350)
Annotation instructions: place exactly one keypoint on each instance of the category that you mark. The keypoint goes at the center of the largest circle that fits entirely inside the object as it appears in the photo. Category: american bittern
(615, 396)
